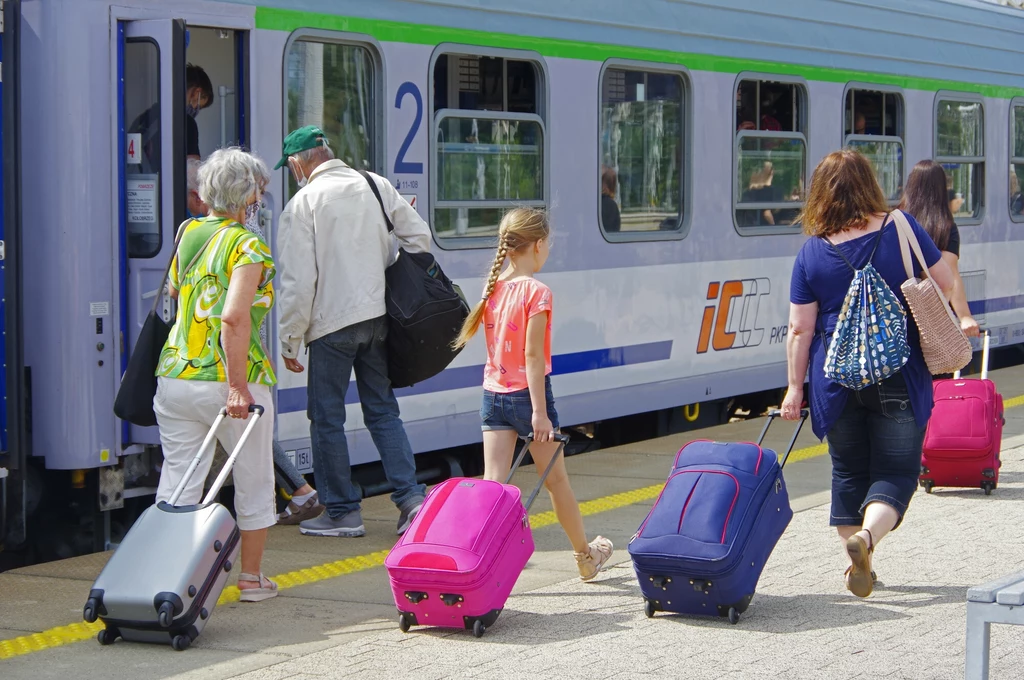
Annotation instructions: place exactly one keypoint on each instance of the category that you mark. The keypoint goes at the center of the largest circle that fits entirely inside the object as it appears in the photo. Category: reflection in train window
(142, 178)
(874, 126)
(488, 142)
(771, 153)
(641, 151)
(333, 86)
(1017, 161)
(960, 148)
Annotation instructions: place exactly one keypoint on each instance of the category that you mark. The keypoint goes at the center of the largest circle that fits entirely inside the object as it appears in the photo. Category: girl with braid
(516, 314)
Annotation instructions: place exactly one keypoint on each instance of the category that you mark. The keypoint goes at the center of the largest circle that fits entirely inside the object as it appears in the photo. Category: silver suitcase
(164, 579)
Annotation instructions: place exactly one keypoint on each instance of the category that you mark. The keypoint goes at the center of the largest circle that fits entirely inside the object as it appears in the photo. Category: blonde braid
(499, 259)
(476, 316)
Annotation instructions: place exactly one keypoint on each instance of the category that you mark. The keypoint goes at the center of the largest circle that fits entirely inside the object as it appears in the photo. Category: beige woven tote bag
(945, 347)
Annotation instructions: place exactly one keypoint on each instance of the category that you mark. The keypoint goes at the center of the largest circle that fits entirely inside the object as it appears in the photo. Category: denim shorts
(514, 411)
(875, 446)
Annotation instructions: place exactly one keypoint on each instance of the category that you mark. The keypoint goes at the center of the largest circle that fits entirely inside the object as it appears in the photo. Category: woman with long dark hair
(925, 197)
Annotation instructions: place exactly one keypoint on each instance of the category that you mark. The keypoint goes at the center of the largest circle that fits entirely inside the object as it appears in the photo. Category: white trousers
(185, 411)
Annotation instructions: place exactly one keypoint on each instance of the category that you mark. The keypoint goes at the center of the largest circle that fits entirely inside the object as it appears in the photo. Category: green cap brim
(281, 163)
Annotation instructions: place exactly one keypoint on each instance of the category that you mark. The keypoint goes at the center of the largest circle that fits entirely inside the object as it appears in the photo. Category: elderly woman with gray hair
(213, 357)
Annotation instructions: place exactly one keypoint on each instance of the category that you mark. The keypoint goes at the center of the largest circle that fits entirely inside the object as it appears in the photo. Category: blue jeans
(875, 446)
(331, 359)
(287, 475)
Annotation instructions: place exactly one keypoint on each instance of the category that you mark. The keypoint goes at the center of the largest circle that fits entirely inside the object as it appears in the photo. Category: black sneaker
(408, 513)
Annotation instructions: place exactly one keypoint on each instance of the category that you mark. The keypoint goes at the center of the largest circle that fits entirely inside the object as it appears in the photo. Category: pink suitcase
(964, 435)
(458, 561)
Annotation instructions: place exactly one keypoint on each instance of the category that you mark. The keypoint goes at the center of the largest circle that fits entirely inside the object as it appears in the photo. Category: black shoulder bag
(425, 312)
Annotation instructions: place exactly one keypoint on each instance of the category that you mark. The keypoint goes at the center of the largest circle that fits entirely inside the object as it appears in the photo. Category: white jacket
(332, 249)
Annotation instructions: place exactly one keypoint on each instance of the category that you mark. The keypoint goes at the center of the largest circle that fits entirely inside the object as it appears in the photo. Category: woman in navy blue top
(874, 434)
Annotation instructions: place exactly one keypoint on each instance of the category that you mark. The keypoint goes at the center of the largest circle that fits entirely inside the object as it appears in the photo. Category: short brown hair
(844, 193)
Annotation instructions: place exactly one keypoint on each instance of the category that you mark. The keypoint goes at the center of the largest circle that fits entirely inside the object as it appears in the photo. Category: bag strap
(380, 201)
(195, 258)
(908, 242)
(170, 262)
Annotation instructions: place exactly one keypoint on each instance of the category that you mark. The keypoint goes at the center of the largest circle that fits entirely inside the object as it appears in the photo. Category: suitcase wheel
(107, 636)
(927, 485)
(649, 609)
(479, 629)
(988, 487)
(734, 616)
(166, 614)
(403, 623)
(181, 642)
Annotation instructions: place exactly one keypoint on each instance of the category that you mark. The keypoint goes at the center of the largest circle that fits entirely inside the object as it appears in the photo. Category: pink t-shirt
(505, 315)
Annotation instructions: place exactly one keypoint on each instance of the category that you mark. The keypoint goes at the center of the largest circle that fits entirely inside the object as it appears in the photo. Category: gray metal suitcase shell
(164, 579)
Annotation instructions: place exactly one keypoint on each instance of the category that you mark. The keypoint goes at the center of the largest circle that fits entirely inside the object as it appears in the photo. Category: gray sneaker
(408, 510)
(348, 526)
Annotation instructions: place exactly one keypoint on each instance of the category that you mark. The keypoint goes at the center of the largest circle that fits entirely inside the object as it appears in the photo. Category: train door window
(334, 86)
(142, 151)
(1016, 160)
(641, 148)
(489, 142)
(874, 126)
(960, 149)
(770, 154)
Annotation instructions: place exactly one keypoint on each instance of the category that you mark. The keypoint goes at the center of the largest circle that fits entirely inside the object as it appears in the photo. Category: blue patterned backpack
(869, 343)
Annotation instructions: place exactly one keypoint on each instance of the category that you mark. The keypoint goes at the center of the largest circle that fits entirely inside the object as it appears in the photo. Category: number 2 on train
(401, 165)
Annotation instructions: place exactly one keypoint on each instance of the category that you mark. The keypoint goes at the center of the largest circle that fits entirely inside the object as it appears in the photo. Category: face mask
(300, 178)
(191, 111)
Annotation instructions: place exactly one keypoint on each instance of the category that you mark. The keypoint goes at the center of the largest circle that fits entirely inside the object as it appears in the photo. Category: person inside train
(760, 190)
(210, 360)
(925, 199)
(610, 216)
(334, 247)
(198, 96)
(516, 314)
(875, 434)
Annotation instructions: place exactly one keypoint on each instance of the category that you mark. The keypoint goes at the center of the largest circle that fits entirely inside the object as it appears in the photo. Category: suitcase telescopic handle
(257, 412)
(562, 440)
(776, 413)
(984, 355)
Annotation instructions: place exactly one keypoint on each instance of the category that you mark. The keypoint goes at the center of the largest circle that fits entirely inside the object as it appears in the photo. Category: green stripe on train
(394, 31)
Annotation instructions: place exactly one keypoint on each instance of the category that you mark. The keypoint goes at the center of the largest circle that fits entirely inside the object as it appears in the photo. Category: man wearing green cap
(333, 247)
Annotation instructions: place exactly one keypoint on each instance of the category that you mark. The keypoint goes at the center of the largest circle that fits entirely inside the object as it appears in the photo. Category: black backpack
(425, 313)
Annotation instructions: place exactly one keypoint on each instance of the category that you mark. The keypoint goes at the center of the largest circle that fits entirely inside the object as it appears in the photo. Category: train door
(151, 182)
(155, 147)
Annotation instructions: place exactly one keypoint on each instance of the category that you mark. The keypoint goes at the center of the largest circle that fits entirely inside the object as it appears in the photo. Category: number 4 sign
(133, 150)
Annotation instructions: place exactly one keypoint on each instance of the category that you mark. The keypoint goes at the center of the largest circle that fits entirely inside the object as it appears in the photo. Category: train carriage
(672, 142)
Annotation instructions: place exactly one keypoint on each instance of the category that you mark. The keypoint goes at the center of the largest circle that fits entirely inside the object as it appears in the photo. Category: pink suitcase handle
(562, 440)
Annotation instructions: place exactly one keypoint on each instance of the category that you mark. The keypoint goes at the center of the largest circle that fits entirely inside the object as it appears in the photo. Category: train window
(489, 142)
(960, 149)
(771, 154)
(874, 126)
(641, 151)
(334, 86)
(1017, 160)
(142, 108)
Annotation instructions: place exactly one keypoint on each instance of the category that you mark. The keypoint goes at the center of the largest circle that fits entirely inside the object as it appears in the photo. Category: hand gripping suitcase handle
(984, 357)
(776, 413)
(215, 489)
(562, 440)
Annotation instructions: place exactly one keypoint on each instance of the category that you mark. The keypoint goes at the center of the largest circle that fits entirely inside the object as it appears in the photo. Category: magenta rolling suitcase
(458, 561)
(965, 432)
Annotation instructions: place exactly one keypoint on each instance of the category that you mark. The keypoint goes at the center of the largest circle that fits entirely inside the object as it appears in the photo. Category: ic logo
(731, 323)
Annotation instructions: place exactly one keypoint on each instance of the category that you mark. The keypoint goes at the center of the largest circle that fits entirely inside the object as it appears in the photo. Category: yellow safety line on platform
(76, 632)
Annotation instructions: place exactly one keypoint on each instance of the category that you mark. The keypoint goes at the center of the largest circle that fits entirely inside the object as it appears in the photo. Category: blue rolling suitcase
(704, 544)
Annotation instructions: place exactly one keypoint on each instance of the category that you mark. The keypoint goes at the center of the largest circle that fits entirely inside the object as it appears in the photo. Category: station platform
(335, 617)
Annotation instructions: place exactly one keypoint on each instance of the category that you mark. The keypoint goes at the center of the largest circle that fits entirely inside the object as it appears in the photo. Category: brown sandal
(859, 576)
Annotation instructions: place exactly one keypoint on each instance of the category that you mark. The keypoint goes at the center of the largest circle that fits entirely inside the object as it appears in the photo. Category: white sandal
(267, 589)
(591, 562)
